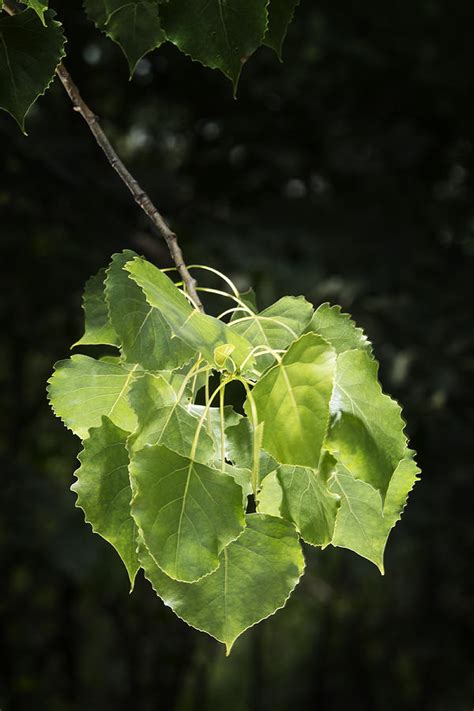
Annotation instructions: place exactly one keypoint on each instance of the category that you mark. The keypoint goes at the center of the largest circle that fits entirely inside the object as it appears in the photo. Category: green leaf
(249, 298)
(203, 333)
(367, 433)
(257, 574)
(187, 512)
(308, 503)
(221, 34)
(98, 329)
(39, 6)
(144, 334)
(104, 493)
(212, 425)
(163, 419)
(292, 400)
(133, 24)
(82, 390)
(270, 496)
(362, 525)
(280, 14)
(275, 327)
(243, 477)
(29, 55)
(338, 329)
(239, 440)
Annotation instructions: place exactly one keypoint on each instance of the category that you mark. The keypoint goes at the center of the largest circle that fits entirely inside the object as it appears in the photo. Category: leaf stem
(257, 438)
(222, 425)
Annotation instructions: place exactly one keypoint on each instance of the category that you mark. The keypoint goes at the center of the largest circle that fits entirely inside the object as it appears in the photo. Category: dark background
(345, 174)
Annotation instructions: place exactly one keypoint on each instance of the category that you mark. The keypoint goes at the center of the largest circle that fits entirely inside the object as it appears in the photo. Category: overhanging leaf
(133, 24)
(144, 334)
(280, 14)
(104, 493)
(98, 329)
(221, 34)
(29, 55)
(257, 574)
(82, 390)
(187, 512)
(203, 333)
(292, 401)
(366, 435)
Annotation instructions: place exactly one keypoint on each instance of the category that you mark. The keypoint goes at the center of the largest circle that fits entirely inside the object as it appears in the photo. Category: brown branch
(139, 195)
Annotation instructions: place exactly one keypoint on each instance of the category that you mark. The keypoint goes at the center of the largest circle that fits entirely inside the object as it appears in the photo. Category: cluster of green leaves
(213, 503)
(221, 34)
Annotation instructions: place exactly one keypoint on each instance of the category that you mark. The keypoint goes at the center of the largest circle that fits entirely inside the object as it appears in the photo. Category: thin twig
(139, 195)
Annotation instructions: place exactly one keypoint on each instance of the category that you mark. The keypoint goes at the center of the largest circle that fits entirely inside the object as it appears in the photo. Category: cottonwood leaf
(292, 401)
(201, 332)
(307, 502)
(221, 34)
(362, 524)
(29, 55)
(104, 493)
(144, 334)
(187, 512)
(82, 390)
(257, 574)
(243, 477)
(338, 329)
(239, 440)
(280, 14)
(212, 425)
(275, 327)
(98, 329)
(133, 24)
(270, 496)
(366, 435)
(163, 418)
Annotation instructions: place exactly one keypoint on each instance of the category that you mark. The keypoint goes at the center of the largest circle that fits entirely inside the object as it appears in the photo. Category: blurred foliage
(345, 174)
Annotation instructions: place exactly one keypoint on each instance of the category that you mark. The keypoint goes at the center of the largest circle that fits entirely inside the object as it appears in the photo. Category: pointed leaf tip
(29, 55)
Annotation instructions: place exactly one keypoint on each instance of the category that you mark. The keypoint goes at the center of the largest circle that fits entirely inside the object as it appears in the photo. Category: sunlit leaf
(163, 418)
(98, 329)
(144, 334)
(307, 501)
(187, 512)
(102, 479)
(201, 332)
(292, 401)
(362, 524)
(338, 329)
(366, 435)
(256, 576)
(275, 327)
(82, 390)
